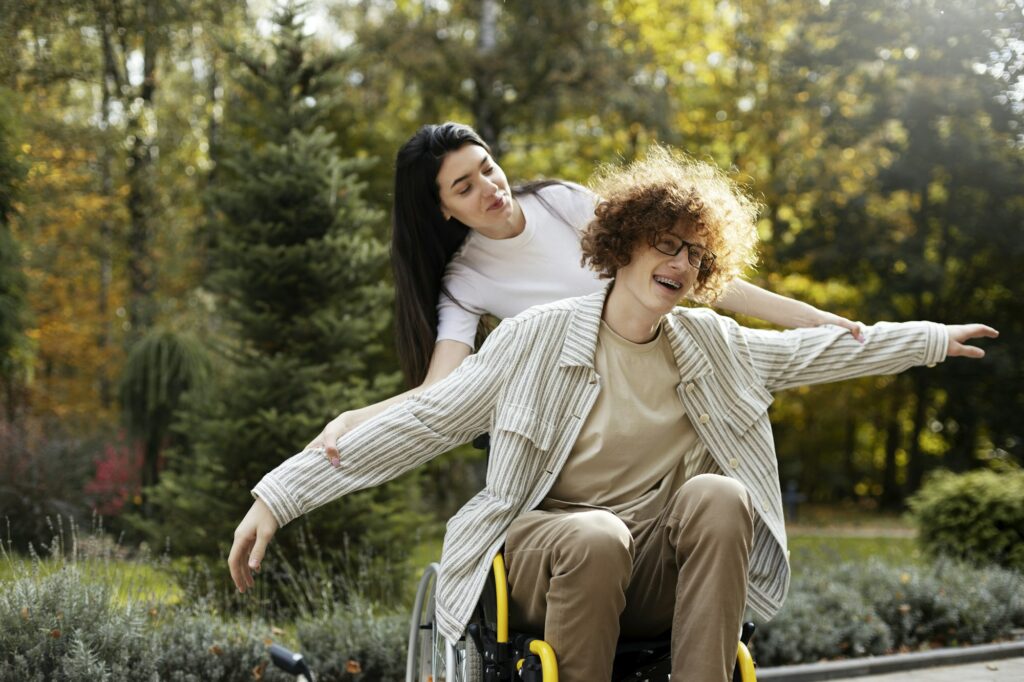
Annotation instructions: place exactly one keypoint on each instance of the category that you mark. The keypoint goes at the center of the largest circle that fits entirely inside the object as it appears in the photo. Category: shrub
(43, 472)
(64, 626)
(86, 613)
(856, 609)
(977, 516)
(355, 641)
(821, 619)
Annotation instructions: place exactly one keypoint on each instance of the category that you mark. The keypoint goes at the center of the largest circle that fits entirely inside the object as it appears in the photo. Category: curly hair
(653, 195)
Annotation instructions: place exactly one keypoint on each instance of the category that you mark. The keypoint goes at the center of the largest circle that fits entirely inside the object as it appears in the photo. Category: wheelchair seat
(490, 652)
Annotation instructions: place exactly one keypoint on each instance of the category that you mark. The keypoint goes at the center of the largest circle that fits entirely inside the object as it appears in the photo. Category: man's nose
(681, 261)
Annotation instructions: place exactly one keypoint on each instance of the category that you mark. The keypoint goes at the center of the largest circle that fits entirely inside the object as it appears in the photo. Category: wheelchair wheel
(431, 658)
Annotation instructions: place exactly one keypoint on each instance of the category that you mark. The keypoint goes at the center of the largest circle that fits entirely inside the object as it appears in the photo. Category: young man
(632, 477)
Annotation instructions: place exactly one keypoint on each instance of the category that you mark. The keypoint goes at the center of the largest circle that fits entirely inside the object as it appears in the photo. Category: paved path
(1005, 670)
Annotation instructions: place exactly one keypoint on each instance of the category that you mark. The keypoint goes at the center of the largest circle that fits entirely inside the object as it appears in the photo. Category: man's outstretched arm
(449, 413)
(813, 356)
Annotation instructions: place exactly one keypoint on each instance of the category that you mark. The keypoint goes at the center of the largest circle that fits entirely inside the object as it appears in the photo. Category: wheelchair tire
(430, 657)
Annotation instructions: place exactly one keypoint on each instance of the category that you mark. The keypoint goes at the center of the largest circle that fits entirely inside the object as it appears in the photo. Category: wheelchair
(489, 652)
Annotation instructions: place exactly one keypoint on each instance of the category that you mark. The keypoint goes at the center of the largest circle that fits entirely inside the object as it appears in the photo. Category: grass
(98, 559)
(810, 553)
(825, 536)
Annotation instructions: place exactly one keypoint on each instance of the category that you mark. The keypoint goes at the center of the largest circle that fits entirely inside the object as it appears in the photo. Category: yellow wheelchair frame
(494, 654)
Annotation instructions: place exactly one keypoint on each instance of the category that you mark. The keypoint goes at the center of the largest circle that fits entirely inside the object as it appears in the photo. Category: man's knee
(598, 539)
(723, 503)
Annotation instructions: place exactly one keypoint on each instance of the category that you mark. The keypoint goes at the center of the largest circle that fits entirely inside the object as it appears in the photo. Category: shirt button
(690, 388)
(932, 364)
(704, 418)
(734, 463)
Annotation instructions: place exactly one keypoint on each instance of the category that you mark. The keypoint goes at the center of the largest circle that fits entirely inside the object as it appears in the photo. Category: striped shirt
(532, 385)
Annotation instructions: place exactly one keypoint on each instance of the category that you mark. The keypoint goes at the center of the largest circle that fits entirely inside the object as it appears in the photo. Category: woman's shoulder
(566, 190)
(568, 202)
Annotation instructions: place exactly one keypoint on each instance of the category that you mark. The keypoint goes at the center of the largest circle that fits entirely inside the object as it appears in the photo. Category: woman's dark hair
(423, 241)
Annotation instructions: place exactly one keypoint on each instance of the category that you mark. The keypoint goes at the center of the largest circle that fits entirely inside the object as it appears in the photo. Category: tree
(12, 278)
(927, 107)
(297, 274)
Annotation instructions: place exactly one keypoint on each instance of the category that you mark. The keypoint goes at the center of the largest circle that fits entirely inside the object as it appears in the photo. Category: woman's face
(474, 190)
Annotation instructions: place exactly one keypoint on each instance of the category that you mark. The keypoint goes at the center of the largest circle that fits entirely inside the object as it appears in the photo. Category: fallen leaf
(216, 650)
(55, 633)
(257, 672)
(24, 613)
(353, 667)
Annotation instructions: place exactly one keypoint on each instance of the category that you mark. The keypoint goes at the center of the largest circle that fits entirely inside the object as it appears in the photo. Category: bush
(63, 626)
(857, 609)
(43, 472)
(822, 619)
(355, 642)
(90, 615)
(977, 517)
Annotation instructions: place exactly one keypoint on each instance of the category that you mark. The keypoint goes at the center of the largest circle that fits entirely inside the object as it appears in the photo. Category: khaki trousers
(581, 576)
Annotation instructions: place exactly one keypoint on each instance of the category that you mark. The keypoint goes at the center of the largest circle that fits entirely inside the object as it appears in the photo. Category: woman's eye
(489, 170)
(463, 192)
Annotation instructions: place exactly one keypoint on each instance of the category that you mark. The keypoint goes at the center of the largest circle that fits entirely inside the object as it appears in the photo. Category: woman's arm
(447, 355)
(749, 299)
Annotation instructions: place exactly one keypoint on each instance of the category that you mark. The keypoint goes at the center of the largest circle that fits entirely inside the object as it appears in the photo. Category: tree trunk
(486, 116)
(916, 465)
(849, 452)
(893, 440)
(110, 82)
(141, 266)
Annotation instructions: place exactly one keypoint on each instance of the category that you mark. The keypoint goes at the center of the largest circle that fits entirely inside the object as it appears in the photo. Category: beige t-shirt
(637, 446)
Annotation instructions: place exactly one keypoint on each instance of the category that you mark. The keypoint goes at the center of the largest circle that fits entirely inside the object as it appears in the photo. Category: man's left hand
(960, 333)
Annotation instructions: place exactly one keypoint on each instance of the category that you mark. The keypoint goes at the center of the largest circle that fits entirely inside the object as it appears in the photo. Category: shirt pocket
(526, 422)
(751, 404)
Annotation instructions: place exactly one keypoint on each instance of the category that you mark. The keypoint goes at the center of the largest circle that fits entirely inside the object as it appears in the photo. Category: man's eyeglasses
(671, 245)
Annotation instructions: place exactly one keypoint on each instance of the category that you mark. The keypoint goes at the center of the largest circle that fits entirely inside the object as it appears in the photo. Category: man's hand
(251, 539)
(959, 333)
(335, 429)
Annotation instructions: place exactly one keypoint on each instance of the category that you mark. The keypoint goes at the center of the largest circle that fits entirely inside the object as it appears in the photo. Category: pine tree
(298, 275)
(12, 279)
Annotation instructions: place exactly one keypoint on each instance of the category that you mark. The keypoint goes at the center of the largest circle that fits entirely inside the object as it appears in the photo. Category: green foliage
(63, 626)
(297, 272)
(12, 279)
(160, 368)
(976, 516)
(42, 475)
(857, 608)
(821, 619)
(355, 631)
(85, 613)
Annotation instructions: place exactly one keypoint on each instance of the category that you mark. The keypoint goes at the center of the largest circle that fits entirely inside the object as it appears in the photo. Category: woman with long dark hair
(464, 243)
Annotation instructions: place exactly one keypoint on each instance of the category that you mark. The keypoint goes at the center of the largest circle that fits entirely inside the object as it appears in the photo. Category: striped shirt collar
(580, 343)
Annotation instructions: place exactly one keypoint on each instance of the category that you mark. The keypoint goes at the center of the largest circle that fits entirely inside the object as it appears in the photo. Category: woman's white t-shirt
(504, 277)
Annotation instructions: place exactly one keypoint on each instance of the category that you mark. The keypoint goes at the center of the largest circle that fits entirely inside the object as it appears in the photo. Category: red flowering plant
(118, 477)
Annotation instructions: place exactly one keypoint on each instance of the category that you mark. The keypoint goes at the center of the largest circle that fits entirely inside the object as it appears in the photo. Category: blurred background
(194, 205)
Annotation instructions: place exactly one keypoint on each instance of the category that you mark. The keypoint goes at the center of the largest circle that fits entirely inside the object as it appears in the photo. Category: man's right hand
(251, 539)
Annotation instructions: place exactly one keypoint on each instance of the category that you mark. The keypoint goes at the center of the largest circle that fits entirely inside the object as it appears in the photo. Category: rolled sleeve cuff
(276, 501)
(936, 343)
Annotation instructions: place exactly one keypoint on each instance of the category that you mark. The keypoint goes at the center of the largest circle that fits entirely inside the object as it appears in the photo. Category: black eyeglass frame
(704, 262)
